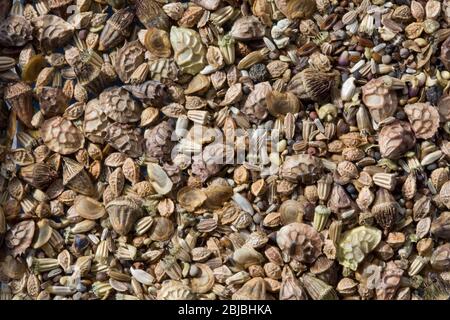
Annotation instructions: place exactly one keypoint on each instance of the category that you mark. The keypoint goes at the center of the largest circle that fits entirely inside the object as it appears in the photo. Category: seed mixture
(225, 149)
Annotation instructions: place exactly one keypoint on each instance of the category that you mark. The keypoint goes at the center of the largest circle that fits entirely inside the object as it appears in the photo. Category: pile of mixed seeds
(225, 149)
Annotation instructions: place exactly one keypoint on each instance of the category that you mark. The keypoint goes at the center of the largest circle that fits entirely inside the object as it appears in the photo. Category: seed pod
(324, 187)
(159, 179)
(6, 63)
(204, 281)
(158, 140)
(417, 10)
(210, 161)
(158, 43)
(95, 121)
(163, 69)
(385, 180)
(227, 47)
(43, 235)
(422, 207)
(409, 187)
(131, 171)
(19, 97)
(363, 121)
(438, 177)
(444, 194)
(282, 103)
(347, 169)
(440, 259)
(116, 29)
(88, 208)
(445, 53)
(291, 211)
(52, 101)
(175, 290)
(290, 288)
(444, 107)
(162, 229)
(300, 9)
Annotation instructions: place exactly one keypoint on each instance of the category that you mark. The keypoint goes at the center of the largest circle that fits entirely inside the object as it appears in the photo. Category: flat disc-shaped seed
(162, 229)
(61, 136)
(88, 208)
(205, 281)
(191, 198)
(44, 233)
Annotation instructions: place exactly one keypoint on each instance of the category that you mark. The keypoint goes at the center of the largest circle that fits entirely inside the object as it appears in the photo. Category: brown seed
(380, 98)
(19, 96)
(247, 28)
(39, 175)
(119, 106)
(254, 289)
(424, 119)
(18, 239)
(123, 213)
(312, 84)
(395, 139)
(116, 29)
(300, 241)
(128, 59)
(60, 135)
(282, 103)
(76, 178)
(89, 208)
(150, 14)
(15, 30)
(385, 209)
(157, 42)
